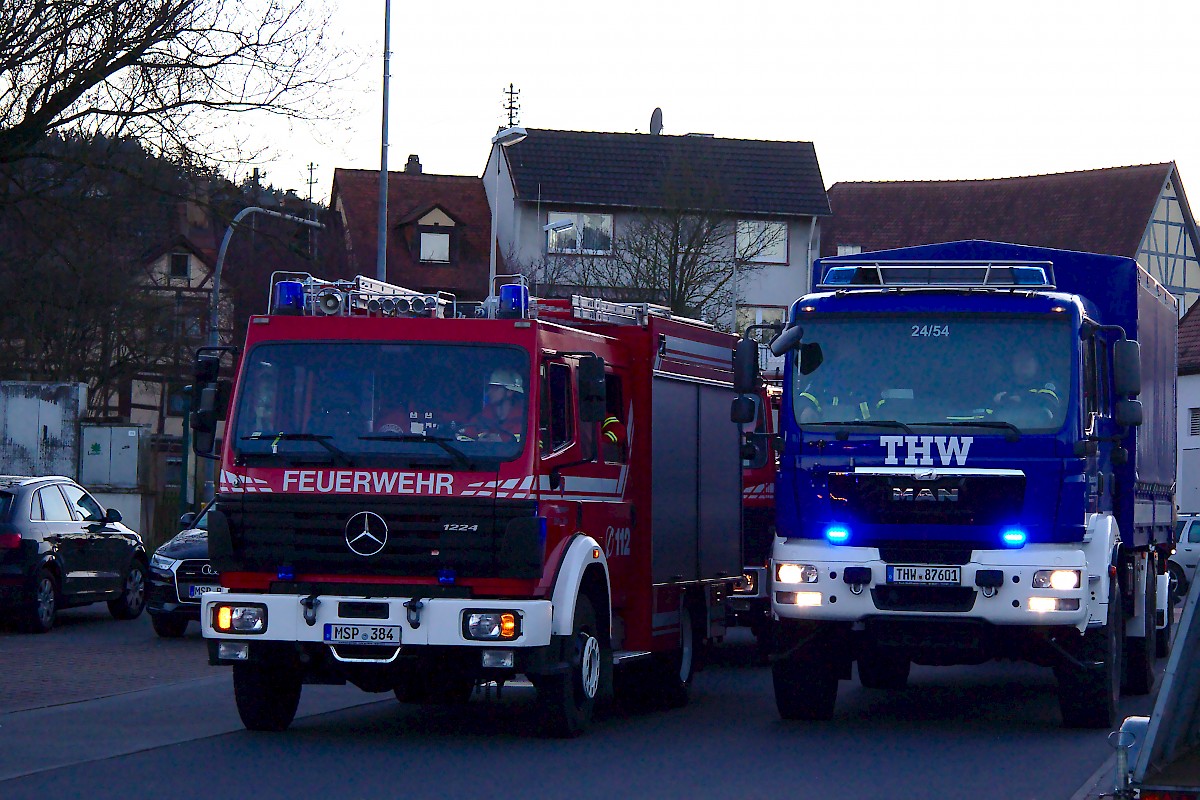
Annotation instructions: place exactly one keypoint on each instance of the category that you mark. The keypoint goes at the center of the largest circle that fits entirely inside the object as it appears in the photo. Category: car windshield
(1008, 374)
(377, 404)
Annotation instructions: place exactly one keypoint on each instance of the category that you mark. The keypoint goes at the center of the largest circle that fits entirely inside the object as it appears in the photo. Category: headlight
(1061, 579)
(491, 625)
(240, 619)
(795, 573)
(161, 562)
(747, 584)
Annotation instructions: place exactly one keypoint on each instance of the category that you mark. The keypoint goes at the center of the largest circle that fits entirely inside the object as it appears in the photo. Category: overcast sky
(885, 89)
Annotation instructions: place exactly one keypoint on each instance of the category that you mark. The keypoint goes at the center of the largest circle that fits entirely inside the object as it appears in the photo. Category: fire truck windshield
(1010, 374)
(460, 406)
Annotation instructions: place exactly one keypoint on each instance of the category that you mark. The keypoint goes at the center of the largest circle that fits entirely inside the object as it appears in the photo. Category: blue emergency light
(289, 298)
(1014, 537)
(837, 534)
(514, 301)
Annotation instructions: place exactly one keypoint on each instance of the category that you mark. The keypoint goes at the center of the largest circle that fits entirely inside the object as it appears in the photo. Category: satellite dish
(656, 122)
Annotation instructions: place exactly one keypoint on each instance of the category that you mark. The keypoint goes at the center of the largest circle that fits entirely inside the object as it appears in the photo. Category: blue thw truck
(978, 462)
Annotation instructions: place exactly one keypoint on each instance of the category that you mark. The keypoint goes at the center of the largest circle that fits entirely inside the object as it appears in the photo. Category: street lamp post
(505, 138)
(554, 227)
(216, 287)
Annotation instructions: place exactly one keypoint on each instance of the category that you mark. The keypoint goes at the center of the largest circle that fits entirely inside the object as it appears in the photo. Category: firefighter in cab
(502, 418)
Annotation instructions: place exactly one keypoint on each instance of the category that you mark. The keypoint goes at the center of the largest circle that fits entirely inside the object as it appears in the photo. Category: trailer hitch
(414, 607)
(310, 604)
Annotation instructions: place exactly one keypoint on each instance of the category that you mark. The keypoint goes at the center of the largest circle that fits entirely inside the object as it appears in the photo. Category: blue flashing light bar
(447, 577)
(289, 297)
(1014, 537)
(837, 534)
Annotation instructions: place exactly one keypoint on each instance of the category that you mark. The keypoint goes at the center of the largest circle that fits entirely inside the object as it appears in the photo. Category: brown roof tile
(1099, 211)
(409, 196)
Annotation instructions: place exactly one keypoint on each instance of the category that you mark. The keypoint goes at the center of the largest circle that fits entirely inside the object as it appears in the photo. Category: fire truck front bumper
(372, 630)
(1038, 585)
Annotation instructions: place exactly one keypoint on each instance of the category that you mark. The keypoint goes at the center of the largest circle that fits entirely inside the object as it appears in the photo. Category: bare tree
(154, 70)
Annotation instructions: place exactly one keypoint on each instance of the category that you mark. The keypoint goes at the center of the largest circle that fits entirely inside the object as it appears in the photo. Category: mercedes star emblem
(366, 533)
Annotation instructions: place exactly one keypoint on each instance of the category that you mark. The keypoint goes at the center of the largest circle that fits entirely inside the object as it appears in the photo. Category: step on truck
(978, 463)
(417, 501)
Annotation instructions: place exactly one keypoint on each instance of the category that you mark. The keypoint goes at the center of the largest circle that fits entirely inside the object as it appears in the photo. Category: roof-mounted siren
(329, 302)
(952, 274)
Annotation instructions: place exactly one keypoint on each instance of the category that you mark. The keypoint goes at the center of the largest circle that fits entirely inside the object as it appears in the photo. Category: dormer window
(180, 265)
(437, 238)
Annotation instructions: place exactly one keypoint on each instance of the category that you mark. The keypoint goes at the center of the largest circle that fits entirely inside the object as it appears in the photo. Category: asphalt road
(105, 709)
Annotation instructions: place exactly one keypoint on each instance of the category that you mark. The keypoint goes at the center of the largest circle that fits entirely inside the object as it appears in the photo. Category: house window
(180, 265)
(760, 315)
(1194, 422)
(435, 247)
(588, 233)
(849, 249)
(762, 242)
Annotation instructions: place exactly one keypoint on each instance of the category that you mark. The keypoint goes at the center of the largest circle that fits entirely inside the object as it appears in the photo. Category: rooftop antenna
(656, 122)
(512, 107)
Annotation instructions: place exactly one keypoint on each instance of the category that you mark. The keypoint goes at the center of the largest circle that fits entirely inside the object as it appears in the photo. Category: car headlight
(229, 618)
(1061, 579)
(491, 625)
(795, 573)
(161, 562)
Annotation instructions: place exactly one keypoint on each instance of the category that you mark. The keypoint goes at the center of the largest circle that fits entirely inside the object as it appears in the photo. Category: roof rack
(948, 274)
(302, 293)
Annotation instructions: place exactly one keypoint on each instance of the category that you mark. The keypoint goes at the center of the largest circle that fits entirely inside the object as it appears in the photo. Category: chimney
(413, 167)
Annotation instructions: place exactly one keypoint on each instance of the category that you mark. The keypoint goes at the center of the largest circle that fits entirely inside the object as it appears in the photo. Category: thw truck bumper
(851, 584)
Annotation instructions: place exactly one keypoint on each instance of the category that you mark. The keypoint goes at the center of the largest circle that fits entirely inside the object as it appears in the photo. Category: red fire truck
(417, 501)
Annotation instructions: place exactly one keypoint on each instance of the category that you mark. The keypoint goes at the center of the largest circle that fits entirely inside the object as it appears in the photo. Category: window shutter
(1194, 421)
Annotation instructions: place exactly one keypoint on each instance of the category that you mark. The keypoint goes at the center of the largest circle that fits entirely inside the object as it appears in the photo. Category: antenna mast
(511, 106)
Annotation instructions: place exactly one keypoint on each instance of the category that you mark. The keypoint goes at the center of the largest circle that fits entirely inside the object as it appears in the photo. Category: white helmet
(509, 379)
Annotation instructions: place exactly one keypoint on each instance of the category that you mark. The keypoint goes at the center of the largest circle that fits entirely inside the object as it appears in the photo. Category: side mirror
(743, 410)
(811, 357)
(1129, 413)
(187, 520)
(786, 340)
(111, 515)
(745, 366)
(755, 450)
(1127, 367)
(590, 379)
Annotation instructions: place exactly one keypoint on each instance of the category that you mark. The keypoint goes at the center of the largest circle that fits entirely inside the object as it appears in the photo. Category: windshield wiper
(1012, 432)
(441, 441)
(842, 435)
(321, 439)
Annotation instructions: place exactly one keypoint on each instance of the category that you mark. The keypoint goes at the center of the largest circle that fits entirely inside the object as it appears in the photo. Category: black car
(59, 548)
(179, 575)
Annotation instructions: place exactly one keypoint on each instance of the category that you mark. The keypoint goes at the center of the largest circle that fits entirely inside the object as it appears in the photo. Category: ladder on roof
(597, 310)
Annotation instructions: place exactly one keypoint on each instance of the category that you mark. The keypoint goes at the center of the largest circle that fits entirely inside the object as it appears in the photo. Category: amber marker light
(224, 618)
(508, 626)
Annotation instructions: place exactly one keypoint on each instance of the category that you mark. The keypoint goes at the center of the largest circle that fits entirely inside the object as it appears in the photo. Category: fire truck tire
(566, 700)
(1087, 697)
(670, 679)
(805, 688)
(882, 670)
(1140, 650)
(266, 698)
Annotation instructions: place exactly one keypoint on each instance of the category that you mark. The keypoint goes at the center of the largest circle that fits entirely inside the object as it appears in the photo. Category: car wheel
(132, 600)
(40, 615)
(168, 626)
(1178, 581)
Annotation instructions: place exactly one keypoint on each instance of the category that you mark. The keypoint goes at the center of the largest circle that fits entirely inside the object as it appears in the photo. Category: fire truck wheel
(266, 698)
(1140, 650)
(883, 670)
(566, 700)
(1087, 696)
(670, 681)
(805, 687)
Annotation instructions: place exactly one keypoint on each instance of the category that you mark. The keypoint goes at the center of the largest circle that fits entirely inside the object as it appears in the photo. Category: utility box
(39, 427)
(114, 456)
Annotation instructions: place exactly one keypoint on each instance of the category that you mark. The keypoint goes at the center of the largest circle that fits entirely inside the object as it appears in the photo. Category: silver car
(1182, 566)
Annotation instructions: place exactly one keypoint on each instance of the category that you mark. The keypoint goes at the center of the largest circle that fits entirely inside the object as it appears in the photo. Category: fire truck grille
(424, 536)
